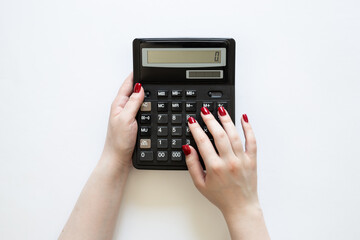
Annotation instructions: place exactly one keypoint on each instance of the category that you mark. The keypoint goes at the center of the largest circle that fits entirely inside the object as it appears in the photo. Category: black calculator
(179, 76)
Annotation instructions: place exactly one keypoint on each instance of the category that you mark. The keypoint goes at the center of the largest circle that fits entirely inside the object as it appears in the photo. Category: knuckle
(252, 141)
(236, 138)
(202, 139)
(217, 168)
(234, 165)
(221, 134)
(226, 120)
(253, 164)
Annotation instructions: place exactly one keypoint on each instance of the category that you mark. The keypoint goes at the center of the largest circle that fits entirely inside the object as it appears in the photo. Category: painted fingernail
(222, 111)
(191, 120)
(186, 149)
(205, 111)
(137, 87)
(245, 118)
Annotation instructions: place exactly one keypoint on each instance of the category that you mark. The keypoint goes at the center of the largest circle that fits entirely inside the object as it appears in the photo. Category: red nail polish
(186, 149)
(205, 111)
(137, 87)
(191, 120)
(245, 118)
(221, 111)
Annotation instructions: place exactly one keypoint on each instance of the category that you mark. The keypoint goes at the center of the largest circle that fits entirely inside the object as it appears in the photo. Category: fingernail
(191, 120)
(205, 111)
(186, 149)
(221, 111)
(137, 87)
(245, 118)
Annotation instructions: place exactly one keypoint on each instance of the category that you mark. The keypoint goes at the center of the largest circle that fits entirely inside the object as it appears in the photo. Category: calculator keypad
(160, 140)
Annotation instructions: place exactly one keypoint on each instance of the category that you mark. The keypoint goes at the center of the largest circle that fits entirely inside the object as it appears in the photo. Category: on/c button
(215, 94)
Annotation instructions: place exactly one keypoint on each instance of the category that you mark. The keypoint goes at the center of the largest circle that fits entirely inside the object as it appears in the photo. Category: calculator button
(147, 94)
(145, 143)
(145, 107)
(162, 131)
(162, 156)
(176, 93)
(176, 143)
(209, 105)
(190, 106)
(145, 118)
(191, 142)
(176, 106)
(206, 130)
(190, 93)
(190, 115)
(145, 131)
(221, 104)
(162, 107)
(162, 143)
(176, 131)
(146, 155)
(215, 94)
(162, 118)
(176, 156)
(162, 93)
(176, 118)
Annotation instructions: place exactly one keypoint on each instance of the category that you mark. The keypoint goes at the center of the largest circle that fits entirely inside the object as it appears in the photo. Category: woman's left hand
(122, 127)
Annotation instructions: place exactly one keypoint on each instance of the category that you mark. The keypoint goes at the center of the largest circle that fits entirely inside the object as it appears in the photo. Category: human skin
(229, 182)
(230, 179)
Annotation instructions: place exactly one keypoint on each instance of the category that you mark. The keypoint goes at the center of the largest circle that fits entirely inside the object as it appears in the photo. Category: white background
(297, 78)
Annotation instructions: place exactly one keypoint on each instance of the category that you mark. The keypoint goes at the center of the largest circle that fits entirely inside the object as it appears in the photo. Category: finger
(231, 131)
(221, 139)
(136, 99)
(203, 143)
(250, 141)
(124, 92)
(195, 169)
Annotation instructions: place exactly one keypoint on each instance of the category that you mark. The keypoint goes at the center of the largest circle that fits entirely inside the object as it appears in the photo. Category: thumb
(195, 169)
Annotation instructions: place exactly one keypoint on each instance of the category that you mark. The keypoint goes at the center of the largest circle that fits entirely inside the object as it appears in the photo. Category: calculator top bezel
(178, 75)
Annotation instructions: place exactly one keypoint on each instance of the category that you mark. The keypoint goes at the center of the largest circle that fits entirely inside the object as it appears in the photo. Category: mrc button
(162, 93)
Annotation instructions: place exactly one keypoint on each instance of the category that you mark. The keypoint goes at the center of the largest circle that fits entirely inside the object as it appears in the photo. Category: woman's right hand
(230, 180)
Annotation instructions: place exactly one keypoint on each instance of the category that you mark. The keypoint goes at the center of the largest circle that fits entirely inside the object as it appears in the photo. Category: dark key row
(164, 143)
(176, 93)
(178, 106)
(163, 131)
(164, 118)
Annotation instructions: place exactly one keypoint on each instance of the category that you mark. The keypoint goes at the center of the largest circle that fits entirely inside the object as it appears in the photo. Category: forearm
(95, 213)
(247, 223)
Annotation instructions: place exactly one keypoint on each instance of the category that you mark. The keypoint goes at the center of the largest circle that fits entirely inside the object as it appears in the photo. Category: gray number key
(176, 118)
(162, 118)
(176, 131)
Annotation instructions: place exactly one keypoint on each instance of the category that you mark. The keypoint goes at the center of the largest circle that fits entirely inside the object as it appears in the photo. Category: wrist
(251, 211)
(114, 165)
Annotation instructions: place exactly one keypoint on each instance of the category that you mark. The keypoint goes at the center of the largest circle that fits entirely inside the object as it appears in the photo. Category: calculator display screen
(174, 56)
(183, 57)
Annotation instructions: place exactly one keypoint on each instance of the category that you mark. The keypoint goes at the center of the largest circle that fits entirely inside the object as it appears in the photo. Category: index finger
(203, 143)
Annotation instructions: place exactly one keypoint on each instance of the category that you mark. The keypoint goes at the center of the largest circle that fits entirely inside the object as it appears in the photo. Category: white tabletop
(297, 78)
